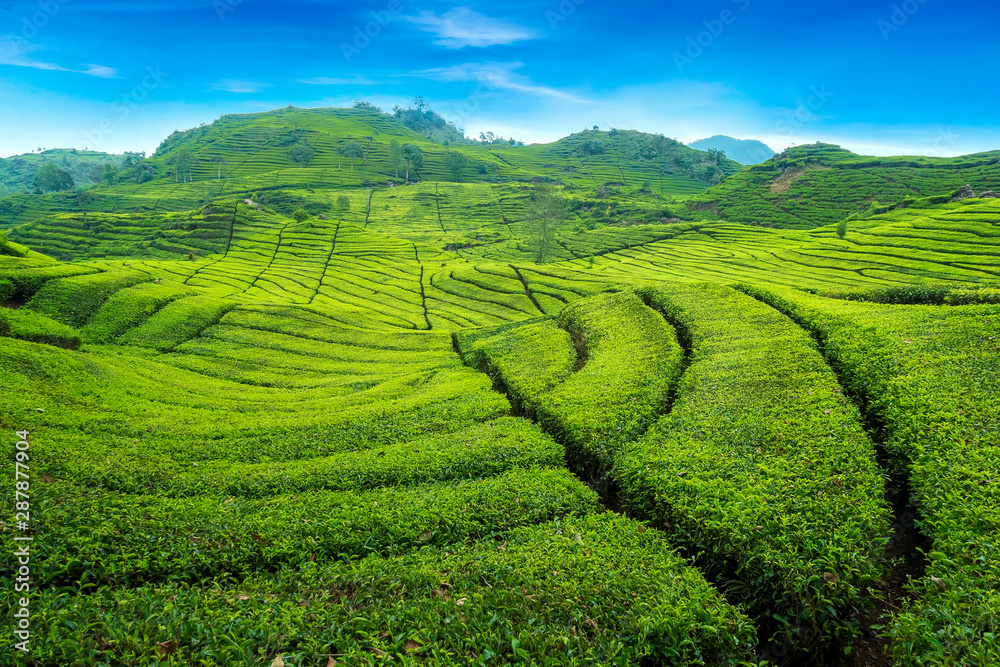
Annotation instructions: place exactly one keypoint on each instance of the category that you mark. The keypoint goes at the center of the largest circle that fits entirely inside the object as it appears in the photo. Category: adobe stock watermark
(900, 16)
(462, 111)
(714, 28)
(806, 111)
(562, 13)
(944, 142)
(33, 23)
(363, 35)
(223, 7)
(123, 107)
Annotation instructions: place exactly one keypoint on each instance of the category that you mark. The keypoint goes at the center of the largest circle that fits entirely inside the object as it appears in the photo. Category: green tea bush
(930, 376)
(37, 328)
(632, 360)
(527, 358)
(129, 308)
(74, 300)
(597, 590)
(762, 469)
(98, 537)
(479, 451)
(178, 321)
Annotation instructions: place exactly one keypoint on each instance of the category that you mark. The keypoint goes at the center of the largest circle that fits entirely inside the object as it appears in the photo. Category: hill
(820, 184)
(17, 172)
(744, 151)
(293, 153)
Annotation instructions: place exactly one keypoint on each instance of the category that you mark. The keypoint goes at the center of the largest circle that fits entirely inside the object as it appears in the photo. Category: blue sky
(879, 77)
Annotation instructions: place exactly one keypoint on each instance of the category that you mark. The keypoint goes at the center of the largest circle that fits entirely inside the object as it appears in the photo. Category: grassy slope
(821, 184)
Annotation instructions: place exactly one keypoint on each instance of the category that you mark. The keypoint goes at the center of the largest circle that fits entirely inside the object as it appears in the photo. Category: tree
(545, 213)
(185, 163)
(842, 228)
(219, 160)
(456, 163)
(83, 199)
(414, 157)
(353, 151)
(419, 102)
(110, 174)
(302, 154)
(300, 215)
(396, 159)
(96, 173)
(51, 178)
(343, 203)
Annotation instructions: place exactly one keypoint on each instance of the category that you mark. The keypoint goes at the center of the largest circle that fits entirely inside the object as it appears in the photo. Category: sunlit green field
(383, 433)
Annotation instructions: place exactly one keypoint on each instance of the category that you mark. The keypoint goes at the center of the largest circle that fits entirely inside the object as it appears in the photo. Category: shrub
(762, 468)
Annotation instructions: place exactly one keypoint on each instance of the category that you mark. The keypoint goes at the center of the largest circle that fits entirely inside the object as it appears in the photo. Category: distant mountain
(744, 151)
(17, 173)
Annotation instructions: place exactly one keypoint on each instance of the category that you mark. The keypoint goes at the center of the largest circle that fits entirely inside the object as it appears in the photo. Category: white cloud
(334, 81)
(101, 71)
(493, 75)
(234, 86)
(463, 27)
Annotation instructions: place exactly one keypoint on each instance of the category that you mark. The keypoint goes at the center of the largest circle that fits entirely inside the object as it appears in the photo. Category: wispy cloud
(242, 87)
(501, 76)
(16, 54)
(360, 80)
(463, 27)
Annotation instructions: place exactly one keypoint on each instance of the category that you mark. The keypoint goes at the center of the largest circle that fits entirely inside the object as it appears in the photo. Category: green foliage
(343, 204)
(543, 216)
(929, 376)
(51, 178)
(352, 151)
(74, 301)
(602, 589)
(178, 321)
(527, 358)
(129, 308)
(186, 539)
(31, 326)
(302, 154)
(842, 229)
(763, 468)
(821, 184)
(456, 164)
(300, 215)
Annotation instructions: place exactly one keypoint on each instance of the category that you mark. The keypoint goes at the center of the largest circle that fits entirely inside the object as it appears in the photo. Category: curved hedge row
(128, 308)
(527, 358)
(479, 451)
(597, 590)
(96, 537)
(630, 358)
(762, 469)
(931, 377)
(74, 300)
(37, 328)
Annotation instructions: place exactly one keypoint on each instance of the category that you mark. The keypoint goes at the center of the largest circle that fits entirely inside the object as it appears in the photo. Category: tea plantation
(282, 414)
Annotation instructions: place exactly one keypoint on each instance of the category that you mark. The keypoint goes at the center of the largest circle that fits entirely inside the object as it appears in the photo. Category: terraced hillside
(318, 422)
(821, 184)
(290, 154)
